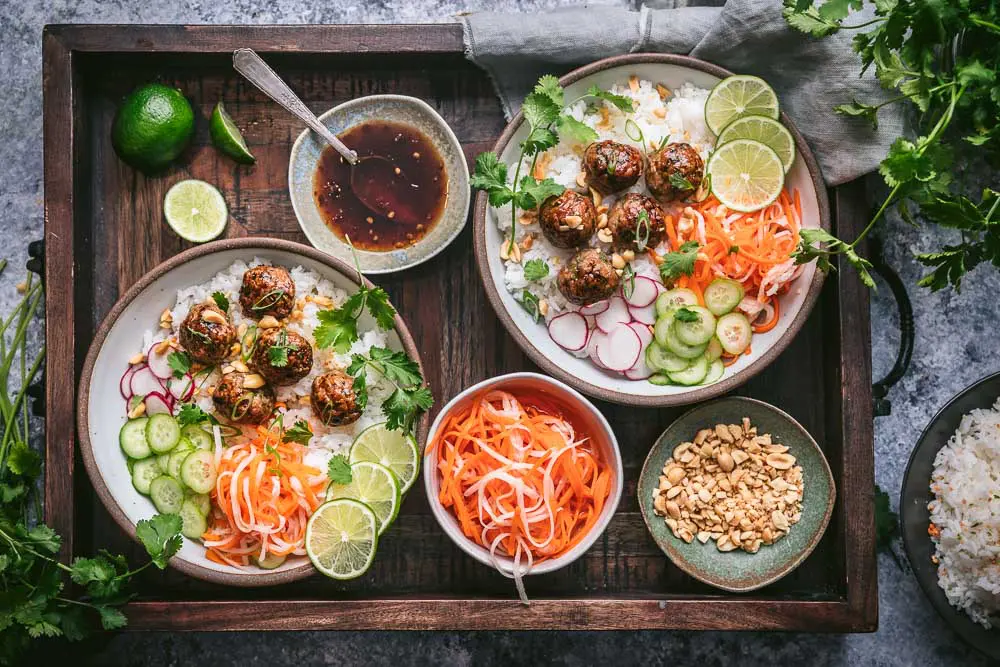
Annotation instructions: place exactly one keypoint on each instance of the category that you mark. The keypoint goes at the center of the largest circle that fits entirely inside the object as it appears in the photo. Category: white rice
(683, 120)
(966, 511)
(326, 441)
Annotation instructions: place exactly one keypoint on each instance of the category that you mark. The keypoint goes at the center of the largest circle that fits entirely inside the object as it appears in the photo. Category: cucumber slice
(693, 374)
(167, 494)
(176, 460)
(665, 335)
(269, 562)
(132, 438)
(193, 522)
(143, 474)
(734, 332)
(198, 471)
(722, 295)
(162, 433)
(202, 500)
(714, 349)
(659, 379)
(199, 438)
(163, 462)
(674, 298)
(660, 359)
(698, 331)
(715, 371)
(130, 464)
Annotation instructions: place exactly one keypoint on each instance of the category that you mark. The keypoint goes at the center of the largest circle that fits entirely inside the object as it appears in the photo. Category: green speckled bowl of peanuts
(736, 493)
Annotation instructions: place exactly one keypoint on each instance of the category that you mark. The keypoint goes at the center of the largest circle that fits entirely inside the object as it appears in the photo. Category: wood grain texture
(106, 221)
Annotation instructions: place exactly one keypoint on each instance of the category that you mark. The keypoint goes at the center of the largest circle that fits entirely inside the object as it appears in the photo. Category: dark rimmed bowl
(915, 518)
(582, 374)
(738, 571)
(120, 335)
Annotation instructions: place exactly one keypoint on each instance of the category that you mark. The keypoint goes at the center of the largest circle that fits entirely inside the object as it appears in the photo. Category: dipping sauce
(409, 187)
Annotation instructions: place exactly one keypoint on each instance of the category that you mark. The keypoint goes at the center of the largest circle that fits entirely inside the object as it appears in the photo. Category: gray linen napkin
(810, 75)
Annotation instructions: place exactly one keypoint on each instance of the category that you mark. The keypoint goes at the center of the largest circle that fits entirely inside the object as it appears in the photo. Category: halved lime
(227, 137)
(341, 538)
(395, 451)
(766, 131)
(738, 96)
(375, 486)
(195, 210)
(746, 174)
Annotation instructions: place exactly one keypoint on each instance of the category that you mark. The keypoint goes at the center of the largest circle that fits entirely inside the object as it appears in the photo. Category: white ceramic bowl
(588, 418)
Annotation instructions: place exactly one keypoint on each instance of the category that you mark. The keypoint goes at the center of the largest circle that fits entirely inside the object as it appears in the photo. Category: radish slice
(597, 337)
(620, 350)
(644, 315)
(645, 335)
(158, 363)
(616, 314)
(125, 383)
(640, 371)
(144, 382)
(181, 389)
(585, 350)
(643, 294)
(595, 308)
(569, 331)
(157, 404)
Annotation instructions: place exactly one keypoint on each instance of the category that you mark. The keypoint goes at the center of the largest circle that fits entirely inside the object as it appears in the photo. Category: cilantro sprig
(941, 59)
(679, 262)
(300, 432)
(179, 363)
(409, 399)
(338, 328)
(338, 470)
(535, 269)
(278, 353)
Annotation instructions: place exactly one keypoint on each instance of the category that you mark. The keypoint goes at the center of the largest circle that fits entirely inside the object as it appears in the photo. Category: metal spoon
(366, 171)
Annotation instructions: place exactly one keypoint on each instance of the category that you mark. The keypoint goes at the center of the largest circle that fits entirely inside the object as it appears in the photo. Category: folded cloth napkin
(810, 75)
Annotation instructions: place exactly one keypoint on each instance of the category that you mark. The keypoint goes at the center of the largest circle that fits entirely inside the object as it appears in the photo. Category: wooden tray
(103, 230)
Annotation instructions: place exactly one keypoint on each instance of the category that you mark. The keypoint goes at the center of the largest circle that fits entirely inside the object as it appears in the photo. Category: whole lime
(152, 127)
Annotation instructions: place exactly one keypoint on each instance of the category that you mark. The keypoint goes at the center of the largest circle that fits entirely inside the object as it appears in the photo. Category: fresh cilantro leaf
(11, 492)
(573, 130)
(98, 575)
(111, 617)
(339, 470)
(540, 110)
(536, 269)
(860, 110)
(278, 354)
(404, 406)
(179, 363)
(44, 539)
(360, 387)
(808, 20)
(191, 413)
(950, 264)
(679, 182)
(300, 432)
(161, 536)
(74, 624)
(490, 176)
(336, 329)
(974, 72)
(221, 301)
(808, 251)
(540, 139)
(531, 193)
(622, 102)
(377, 302)
(549, 86)
(680, 262)
(686, 315)
(396, 366)
(22, 460)
(835, 10)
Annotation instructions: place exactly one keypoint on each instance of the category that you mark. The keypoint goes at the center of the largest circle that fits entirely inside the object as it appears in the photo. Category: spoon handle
(257, 72)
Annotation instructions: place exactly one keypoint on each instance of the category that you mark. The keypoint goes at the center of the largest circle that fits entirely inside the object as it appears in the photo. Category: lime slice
(766, 131)
(195, 210)
(341, 537)
(227, 137)
(746, 175)
(395, 451)
(738, 96)
(375, 486)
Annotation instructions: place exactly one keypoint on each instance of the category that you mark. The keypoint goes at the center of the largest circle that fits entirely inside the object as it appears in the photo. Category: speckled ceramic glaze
(395, 108)
(739, 571)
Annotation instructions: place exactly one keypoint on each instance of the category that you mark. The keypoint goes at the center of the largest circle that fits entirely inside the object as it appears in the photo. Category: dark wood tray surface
(103, 230)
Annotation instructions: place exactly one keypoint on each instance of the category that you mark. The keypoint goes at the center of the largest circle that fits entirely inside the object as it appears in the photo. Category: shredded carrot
(773, 321)
(519, 479)
(262, 500)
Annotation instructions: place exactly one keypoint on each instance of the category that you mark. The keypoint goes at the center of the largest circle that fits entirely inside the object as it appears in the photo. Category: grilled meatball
(568, 220)
(267, 290)
(587, 277)
(239, 404)
(624, 222)
(296, 348)
(334, 400)
(671, 169)
(206, 334)
(611, 166)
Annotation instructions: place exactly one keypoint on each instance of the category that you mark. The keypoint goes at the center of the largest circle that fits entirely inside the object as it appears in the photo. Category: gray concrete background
(955, 346)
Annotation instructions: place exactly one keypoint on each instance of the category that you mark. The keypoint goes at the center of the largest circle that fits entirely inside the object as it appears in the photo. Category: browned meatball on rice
(611, 166)
(206, 334)
(587, 277)
(240, 404)
(674, 172)
(282, 356)
(568, 220)
(333, 399)
(636, 222)
(267, 290)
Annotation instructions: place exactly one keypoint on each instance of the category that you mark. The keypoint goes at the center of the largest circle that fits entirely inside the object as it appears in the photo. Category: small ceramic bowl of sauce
(414, 200)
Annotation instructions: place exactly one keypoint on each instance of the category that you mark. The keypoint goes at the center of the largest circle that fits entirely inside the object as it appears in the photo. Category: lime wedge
(227, 137)
(375, 486)
(392, 449)
(195, 210)
(766, 131)
(746, 175)
(341, 537)
(738, 96)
